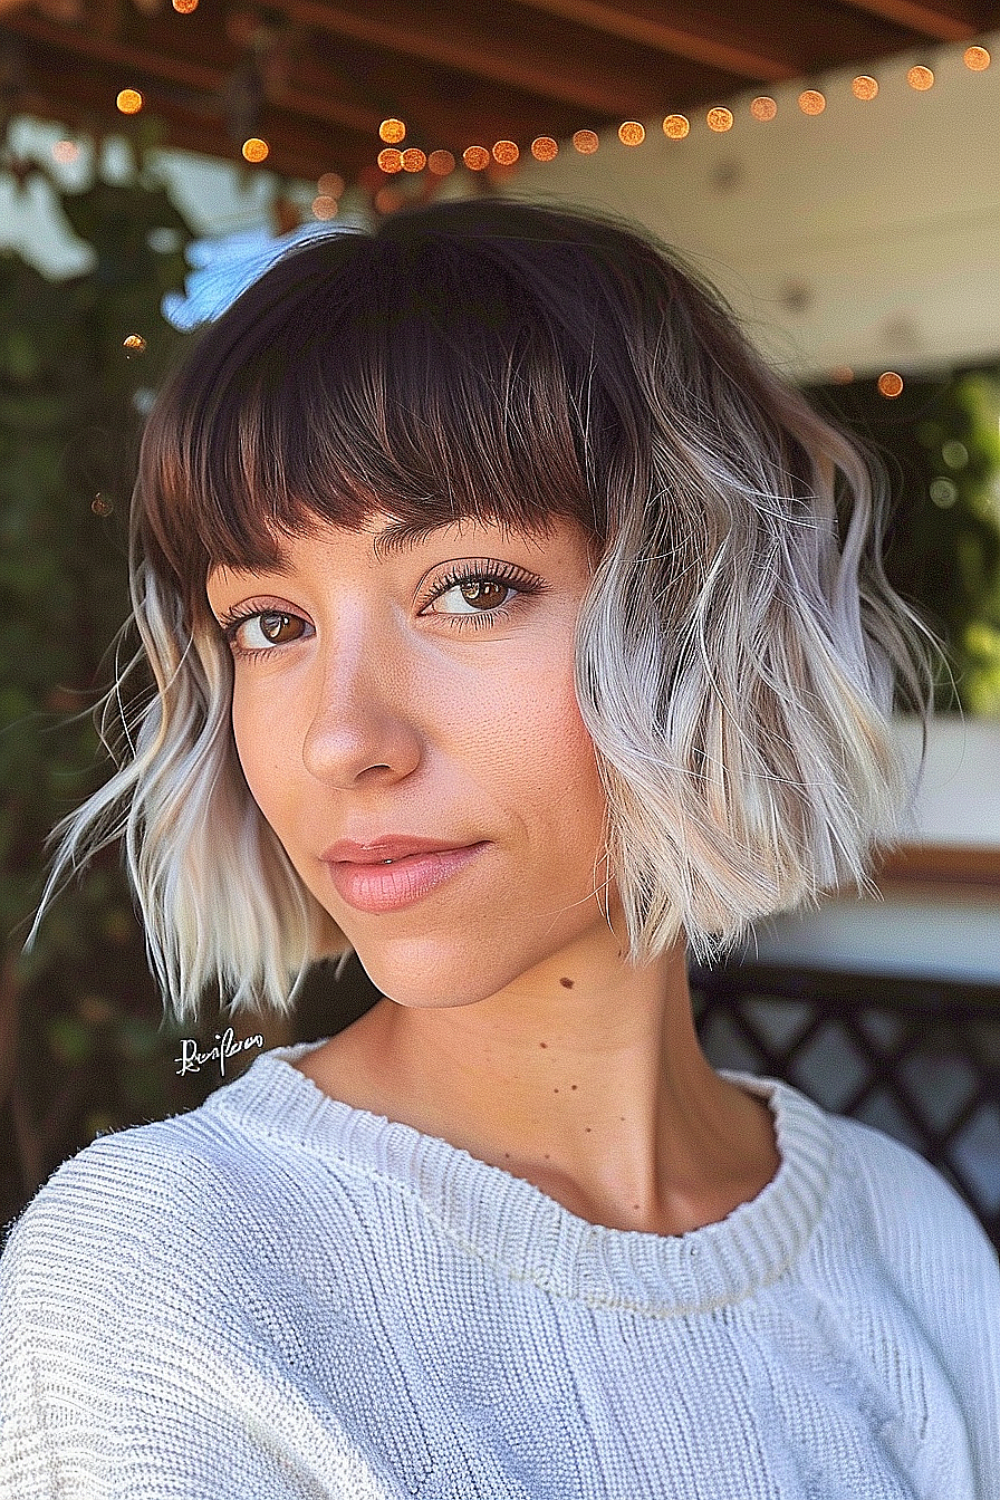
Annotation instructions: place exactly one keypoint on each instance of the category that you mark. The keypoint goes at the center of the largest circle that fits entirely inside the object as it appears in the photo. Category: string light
(185, 7)
(331, 185)
(129, 101)
(134, 344)
(545, 148)
(324, 207)
(255, 150)
(763, 107)
(812, 102)
(890, 385)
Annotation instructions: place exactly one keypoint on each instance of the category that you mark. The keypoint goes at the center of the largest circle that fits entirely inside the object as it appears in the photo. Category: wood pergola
(315, 78)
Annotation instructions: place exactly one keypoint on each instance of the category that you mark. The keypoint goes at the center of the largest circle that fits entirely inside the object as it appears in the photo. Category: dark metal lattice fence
(918, 1059)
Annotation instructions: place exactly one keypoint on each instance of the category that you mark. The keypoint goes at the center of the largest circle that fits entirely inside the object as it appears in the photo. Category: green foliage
(940, 442)
(92, 1051)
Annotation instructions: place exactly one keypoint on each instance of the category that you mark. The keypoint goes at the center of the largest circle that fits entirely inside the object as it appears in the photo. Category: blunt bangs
(423, 378)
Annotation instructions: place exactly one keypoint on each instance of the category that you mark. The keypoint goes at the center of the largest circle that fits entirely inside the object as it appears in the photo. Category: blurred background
(830, 167)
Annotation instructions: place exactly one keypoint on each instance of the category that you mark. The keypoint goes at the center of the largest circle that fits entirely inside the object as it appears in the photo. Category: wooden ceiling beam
(728, 37)
(531, 63)
(942, 20)
(678, 33)
(440, 108)
(155, 62)
(57, 90)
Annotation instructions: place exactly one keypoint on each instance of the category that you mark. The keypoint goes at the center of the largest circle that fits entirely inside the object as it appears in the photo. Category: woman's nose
(357, 718)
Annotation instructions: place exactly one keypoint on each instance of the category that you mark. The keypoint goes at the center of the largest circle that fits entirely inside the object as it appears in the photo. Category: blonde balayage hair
(737, 653)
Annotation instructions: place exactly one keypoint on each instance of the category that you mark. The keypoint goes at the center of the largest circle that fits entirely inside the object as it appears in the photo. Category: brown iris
(480, 591)
(276, 628)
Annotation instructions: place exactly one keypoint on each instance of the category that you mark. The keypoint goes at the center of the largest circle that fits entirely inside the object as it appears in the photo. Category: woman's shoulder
(123, 1202)
(154, 1199)
(911, 1202)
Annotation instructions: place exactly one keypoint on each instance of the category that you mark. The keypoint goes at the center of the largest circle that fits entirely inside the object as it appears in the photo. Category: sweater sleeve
(129, 1368)
(945, 1266)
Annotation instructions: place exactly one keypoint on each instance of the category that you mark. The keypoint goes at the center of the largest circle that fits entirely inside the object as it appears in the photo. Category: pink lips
(375, 887)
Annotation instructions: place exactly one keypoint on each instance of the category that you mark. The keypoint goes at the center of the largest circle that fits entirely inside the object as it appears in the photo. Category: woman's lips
(384, 887)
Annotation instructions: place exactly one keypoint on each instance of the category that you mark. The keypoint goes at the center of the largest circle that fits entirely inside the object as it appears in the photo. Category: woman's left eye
(487, 594)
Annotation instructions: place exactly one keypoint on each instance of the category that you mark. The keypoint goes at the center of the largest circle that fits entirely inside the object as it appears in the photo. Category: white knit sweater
(276, 1296)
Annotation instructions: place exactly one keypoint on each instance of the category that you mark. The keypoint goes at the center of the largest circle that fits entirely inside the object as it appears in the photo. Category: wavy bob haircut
(737, 653)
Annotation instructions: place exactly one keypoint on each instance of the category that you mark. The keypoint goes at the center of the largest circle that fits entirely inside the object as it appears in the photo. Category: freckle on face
(566, 983)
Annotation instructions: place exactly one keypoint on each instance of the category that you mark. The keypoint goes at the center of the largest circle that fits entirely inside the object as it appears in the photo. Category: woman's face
(375, 695)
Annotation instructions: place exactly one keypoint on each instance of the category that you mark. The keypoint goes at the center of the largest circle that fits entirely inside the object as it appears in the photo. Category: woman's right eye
(257, 633)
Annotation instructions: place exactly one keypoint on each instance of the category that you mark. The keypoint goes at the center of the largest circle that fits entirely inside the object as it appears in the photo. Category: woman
(514, 628)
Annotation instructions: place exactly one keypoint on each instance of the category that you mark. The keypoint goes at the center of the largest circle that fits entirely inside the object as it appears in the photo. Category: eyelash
(504, 573)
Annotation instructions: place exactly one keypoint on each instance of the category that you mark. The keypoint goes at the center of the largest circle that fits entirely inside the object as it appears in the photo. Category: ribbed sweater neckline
(512, 1226)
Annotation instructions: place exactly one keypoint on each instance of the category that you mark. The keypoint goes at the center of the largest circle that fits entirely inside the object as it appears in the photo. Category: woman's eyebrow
(403, 536)
(397, 537)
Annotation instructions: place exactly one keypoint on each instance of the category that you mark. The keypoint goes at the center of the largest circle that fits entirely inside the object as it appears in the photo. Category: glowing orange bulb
(812, 102)
(763, 107)
(676, 127)
(920, 78)
(864, 86)
(890, 384)
(506, 153)
(719, 119)
(129, 101)
(392, 131)
(390, 160)
(324, 206)
(544, 148)
(476, 158)
(255, 149)
(631, 133)
(414, 160)
(976, 58)
(441, 163)
(331, 185)
(185, 7)
(586, 142)
(134, 344)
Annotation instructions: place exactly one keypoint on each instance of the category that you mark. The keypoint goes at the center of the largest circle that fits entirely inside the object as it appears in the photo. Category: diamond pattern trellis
(917, 1058)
